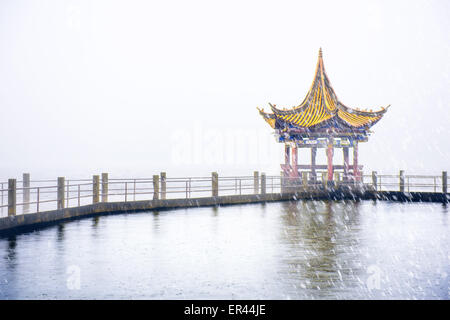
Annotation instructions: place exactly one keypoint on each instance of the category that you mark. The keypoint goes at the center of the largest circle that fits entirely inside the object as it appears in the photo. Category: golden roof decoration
(321, 104)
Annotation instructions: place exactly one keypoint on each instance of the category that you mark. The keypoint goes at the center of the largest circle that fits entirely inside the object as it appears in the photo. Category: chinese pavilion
(321, 121)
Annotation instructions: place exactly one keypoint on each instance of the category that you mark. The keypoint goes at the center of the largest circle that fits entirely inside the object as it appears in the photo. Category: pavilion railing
(31, 196)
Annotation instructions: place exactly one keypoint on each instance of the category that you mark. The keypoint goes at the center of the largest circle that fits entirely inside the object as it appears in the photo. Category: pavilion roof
(320, 105)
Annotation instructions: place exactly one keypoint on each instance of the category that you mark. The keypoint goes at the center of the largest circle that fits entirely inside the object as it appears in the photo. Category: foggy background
(137, 87)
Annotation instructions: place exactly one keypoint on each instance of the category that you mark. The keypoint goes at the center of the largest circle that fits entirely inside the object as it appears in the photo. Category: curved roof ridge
(325, 88)
(328, 85)
(317, 84)
(308, 95)
(363, 112)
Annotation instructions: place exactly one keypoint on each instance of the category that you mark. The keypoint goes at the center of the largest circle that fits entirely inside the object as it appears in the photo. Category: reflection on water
(286, 250)
(323, 259)
(10, 255)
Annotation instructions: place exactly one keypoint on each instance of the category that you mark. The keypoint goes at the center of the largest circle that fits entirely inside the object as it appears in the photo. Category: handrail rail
(77, 192)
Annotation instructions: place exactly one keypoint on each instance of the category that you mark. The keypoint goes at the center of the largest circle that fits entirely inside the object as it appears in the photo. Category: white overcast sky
(136, 87)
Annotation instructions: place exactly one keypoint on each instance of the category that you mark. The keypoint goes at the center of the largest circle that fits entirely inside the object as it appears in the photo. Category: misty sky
(136, 87)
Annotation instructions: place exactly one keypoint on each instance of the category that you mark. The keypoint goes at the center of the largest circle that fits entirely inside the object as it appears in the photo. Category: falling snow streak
(287, 250)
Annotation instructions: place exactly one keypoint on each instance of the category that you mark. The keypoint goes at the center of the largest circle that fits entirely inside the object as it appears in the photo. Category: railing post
(104, 187)
(26, 192)
(95, 189)
(305, 179)
(444, 182)
(163, 185)
(375, 180)
(155, 187)
(215, 184)
(2, 197)
(256, 182)
(12, 197)
(324, 179)
(38, 192)
(337, 178)
(402, 181)
(67, 193)
(60, 193)
(263, 183)
(282, 182)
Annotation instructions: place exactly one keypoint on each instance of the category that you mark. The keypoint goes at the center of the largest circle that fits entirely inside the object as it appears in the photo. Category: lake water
(285, 250)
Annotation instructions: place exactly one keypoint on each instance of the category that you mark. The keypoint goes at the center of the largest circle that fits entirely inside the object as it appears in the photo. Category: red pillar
(355, 161)
(346, 163)
(287, 161)
(330, 161)
(313, 163)
(287, 154)
(294, 162)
